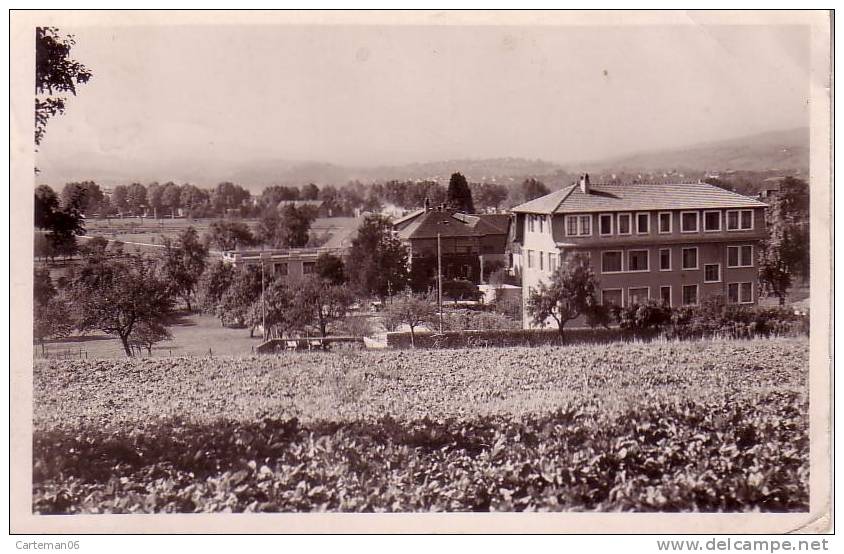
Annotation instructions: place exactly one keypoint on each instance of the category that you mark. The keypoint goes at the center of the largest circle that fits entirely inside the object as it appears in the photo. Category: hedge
(516, 337)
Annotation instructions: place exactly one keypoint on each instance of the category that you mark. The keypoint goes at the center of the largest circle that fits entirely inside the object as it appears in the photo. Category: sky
(367, 96)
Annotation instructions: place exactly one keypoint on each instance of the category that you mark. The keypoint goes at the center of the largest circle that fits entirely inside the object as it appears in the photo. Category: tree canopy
(184, 263)
(459, 196)
(570, 293)
(377, 260)
(56, 75)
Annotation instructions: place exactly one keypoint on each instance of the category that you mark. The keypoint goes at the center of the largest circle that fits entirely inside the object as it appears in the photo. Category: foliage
(61, 223)
(56, 74)
(330, 268)
(460, 289)
(459, 195)
(774, 267)
(147, 334)
(285, 228)
(716, 318)
(85, 197)
(228, 196)
(319, 304)
(213, 284)
(377, 260)
(708, 426)
(115, 295)
(243, 288)
(460, 320)
(411, 310)
(51, 319)
(230, 235)
(640, 317)
(184, 263)
(570, 293)
(527, 191)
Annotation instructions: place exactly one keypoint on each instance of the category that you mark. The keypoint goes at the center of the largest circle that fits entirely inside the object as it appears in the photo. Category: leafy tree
(488, 195)
(115, 295)
(641, 317)
(62, 224)
(230, 235)
(228, 196)
(331, 268)
(43, 289)
(184, 263)
(56, 74)
(85, 197)
(287, 228)
(171, 197)
(51, 319)
(570, 293)
(282, 314)
(310, 192)
(794, 213)
(136, 198)
(319, 303)
(147, 334)
(120, 198)
(459, 196)
(527, 191)
(774, 267)
(377, 260)
(411, 310)
(243, 290)
(213, 284)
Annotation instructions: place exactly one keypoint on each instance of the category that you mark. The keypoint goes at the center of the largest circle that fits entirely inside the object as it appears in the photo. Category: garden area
(708, 425)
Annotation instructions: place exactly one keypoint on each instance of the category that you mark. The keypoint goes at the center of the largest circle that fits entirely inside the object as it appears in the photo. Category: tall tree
(115, 295)
(213, 284)
(411, 310)
(319, 303)
(120, 198)
(310, 192)
(56, 74)
(377, 260)
(794, 198)
(570, 293)
(184, 263)
(243, 290)
(459, 196)
(227, 196)
(84, 197)
(62, 224)
(136, 198)
(288, 228)
(229, 235)
(774, 267)
(331, 268)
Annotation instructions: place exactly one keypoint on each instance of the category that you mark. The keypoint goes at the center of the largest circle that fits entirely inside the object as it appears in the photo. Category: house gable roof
(447, 224)
(617, 197)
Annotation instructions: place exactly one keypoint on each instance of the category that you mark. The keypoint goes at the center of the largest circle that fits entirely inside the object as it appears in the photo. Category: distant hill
(778, 150)
(784, 151)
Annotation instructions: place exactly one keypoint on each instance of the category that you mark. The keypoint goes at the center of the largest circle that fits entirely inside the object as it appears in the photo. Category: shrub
(637, 317)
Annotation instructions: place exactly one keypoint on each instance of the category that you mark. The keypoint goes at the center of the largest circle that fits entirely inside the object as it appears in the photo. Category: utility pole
(440, 282)
(263, 305)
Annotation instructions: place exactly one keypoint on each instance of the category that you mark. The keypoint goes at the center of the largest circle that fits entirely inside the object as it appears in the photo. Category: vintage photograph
(437, 265)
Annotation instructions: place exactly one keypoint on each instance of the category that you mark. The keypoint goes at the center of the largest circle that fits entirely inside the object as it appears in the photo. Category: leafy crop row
(708, 426)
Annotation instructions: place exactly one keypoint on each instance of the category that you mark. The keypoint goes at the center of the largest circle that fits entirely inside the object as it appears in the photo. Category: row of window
(640, 222)
(737, 293)
(542, 260)
(613, 261)
(281, 268)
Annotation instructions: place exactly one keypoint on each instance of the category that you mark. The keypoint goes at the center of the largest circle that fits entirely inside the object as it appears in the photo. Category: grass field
(709, 426)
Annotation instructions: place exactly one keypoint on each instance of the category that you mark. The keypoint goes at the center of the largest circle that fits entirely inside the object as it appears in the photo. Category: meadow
(664, 426)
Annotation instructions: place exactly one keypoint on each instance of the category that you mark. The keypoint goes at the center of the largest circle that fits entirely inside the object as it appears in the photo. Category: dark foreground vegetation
(693, 426)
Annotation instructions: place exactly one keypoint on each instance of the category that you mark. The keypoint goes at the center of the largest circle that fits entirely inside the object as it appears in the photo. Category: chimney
(584, 183)
(427, 205)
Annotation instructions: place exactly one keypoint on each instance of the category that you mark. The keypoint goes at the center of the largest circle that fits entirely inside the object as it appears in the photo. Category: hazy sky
(389, 95)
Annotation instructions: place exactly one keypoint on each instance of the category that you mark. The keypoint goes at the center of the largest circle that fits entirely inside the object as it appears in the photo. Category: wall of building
(712, 249)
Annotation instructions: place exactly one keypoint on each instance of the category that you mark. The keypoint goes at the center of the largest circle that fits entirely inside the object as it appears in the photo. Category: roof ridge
(566, 195)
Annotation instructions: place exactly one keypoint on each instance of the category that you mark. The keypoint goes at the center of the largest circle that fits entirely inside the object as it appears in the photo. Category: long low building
(290, 263)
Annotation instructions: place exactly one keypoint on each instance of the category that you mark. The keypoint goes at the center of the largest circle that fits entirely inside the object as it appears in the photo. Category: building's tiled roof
(637, 196)
(447, 224)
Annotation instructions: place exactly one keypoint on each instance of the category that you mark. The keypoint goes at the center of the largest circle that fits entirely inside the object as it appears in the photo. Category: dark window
(732, 220)
(605, 222)
(688, 222)
(712, 221)
(733, 292)
(643, 223)
(746, 220)
(637, 260)
(637, 296)
(665, 295)
(689, 294)
(308, 267)
(689, 258)
(712, 273)
(746, 292)
(665, 222)
(610, 261)
(665, 259)
(280, 269)
(623, 224)
(611, 297)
